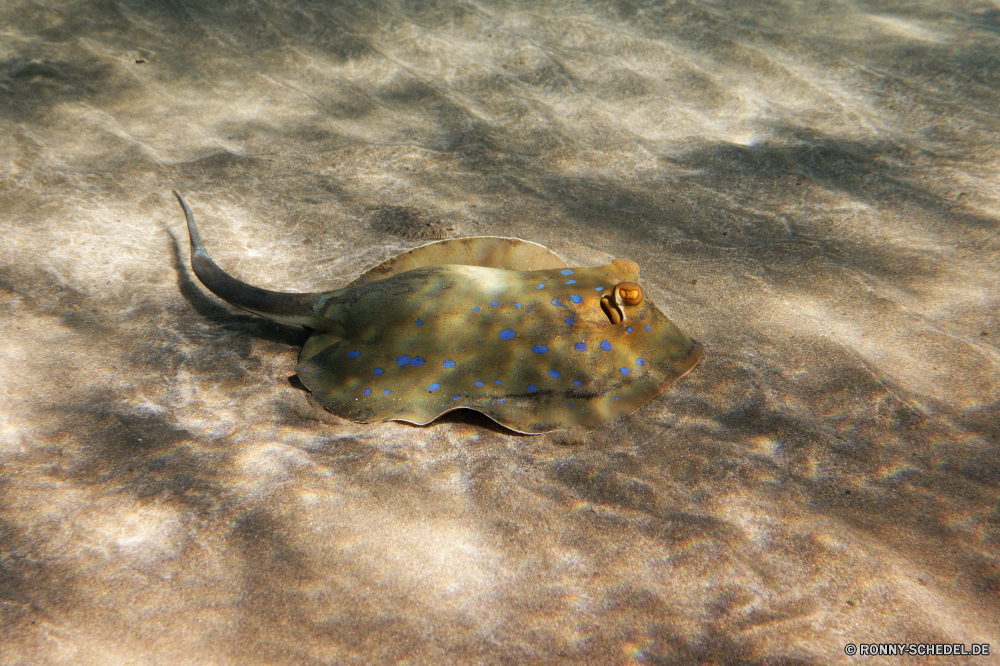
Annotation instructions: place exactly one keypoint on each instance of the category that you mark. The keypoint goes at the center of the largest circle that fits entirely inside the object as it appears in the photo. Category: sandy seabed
(810, 188)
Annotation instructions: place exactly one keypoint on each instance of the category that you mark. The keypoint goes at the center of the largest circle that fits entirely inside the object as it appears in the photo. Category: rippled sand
(811, 190)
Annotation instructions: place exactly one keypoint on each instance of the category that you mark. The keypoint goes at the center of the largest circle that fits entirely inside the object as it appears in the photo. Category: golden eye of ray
(629, 292)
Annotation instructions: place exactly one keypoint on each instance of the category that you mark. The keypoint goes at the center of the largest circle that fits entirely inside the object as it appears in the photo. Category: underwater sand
(811, 190)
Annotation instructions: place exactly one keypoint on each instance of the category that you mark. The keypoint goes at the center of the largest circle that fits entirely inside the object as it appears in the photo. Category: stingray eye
(629, 292)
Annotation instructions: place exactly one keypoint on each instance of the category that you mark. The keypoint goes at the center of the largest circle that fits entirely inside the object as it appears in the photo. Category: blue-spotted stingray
(498, 325)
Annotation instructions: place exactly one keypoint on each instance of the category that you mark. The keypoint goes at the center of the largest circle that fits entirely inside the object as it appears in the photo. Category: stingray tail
(287, 308)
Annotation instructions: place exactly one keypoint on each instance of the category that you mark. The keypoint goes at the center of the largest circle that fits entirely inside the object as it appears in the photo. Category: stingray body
(497, 325)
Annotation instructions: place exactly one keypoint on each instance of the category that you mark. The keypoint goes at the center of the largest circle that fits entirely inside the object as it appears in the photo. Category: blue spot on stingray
(570, 281)
(517, 305)
(555, 373)
(539, 349)
(456, 398)
(344, 391)
(498, 382)
(417, 362)
(647, 328)
(605, 345)
(378, 371)
(353, 354)
(507, 334)
(494, 303)
(570, 321)
(566, 271)
(580, 346)
(434, 387)
(540, 286)
(576, 299)
(578, 382)
(501, 401)
(628, 329)
(617, 398)
(556, 302)
(598, 288)
(448, 364)
(625, 371)
(532, 387)
(571, 404)
(367, 392)
(420, 322)
(640, 361)
(403, 360)
(387, 392)
(480, 384)
(476, 308)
